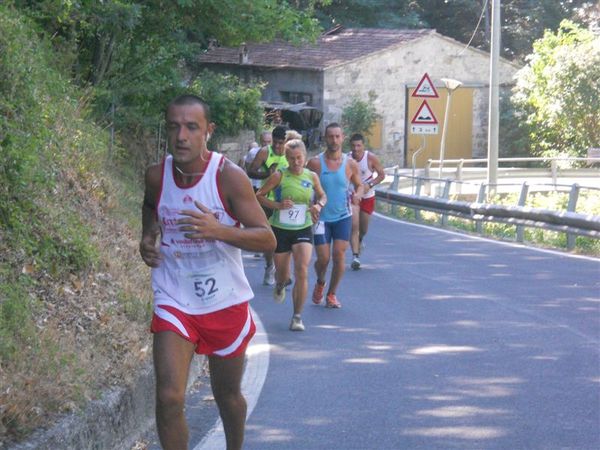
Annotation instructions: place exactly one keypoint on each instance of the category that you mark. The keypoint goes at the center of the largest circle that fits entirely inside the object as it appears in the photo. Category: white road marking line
(255, 374)
(481, 238)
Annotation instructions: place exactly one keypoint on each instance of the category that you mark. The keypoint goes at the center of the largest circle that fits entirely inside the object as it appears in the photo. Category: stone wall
(389, 73)
(235, 146)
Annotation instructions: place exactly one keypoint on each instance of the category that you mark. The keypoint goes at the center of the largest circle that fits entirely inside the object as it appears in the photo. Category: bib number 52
(205, 287)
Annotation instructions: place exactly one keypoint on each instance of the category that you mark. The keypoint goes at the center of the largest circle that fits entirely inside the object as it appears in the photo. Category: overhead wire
(485, 3)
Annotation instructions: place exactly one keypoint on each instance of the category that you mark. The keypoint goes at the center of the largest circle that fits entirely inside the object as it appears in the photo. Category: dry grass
(91, 329)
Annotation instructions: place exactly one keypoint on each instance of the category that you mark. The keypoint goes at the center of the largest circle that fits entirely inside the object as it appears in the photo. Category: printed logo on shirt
(219, 214)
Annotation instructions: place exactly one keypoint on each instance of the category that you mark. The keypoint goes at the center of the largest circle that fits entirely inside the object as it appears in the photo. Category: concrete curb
(115, 421)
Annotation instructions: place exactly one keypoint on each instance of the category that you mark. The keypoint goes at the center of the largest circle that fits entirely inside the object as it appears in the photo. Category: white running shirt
(250, 156)
(196, 276)
(366, 174)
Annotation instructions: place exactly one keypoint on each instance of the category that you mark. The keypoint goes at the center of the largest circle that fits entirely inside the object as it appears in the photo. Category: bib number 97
(293, 214)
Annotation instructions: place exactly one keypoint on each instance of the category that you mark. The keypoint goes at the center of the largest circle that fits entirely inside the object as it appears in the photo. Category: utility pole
(494, 103)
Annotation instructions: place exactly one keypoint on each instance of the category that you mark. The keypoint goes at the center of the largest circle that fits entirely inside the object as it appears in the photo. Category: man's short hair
(279, 132)
(333, 125)
(357, 137)
(190, 99)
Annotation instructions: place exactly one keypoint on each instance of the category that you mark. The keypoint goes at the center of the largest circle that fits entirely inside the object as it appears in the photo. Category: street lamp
(451, 85)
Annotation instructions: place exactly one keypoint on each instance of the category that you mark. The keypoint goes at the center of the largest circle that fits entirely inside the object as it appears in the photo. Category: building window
(296, 97)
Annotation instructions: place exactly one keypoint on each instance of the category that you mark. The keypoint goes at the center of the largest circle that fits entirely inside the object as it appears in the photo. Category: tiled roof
(333, 48)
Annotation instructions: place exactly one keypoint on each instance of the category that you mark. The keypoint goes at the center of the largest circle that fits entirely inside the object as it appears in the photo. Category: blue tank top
(335, 184)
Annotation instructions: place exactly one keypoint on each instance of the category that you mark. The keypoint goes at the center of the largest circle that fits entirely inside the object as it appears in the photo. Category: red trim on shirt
(225, 204)
(160, 189)
(181, 186)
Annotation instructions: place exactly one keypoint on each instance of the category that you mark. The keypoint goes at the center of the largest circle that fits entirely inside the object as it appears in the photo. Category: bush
(559, 93)
(42, 129)
(359, 115)
(234, 105)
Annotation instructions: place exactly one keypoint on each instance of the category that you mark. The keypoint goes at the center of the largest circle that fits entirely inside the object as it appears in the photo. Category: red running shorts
(368, 205)
(225, 333)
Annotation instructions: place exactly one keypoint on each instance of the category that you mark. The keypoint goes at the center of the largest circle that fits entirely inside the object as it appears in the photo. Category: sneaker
(296, 324)
(332, 301)
(279, 294)
(355, 263)
(317, 296)
(269, 279)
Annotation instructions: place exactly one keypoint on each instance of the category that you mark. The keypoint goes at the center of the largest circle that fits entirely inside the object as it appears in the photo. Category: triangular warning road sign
(424, 115)
(425, 88)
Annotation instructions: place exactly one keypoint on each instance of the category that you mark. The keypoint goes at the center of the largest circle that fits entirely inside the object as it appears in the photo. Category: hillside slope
(74, 294)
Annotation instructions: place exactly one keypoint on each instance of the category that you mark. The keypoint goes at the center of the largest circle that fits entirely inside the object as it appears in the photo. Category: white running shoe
(296, 324)
(269, 278)
(355, 263)
(279, 294)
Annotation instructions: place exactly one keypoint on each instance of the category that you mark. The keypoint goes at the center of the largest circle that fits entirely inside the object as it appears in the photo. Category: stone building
(387, 65)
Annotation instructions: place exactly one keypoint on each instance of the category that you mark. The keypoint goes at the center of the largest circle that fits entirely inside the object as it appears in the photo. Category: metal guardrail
(569, 222)
(558, 165)
(553, 167)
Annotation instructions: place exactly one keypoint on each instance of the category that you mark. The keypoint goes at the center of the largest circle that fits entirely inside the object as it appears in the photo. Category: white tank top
(196, 276)
(366, 174)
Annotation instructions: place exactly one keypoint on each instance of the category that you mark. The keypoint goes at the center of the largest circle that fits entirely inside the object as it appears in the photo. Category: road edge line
(255, 374)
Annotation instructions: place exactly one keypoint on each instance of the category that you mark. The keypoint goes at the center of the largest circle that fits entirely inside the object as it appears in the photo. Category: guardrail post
(521, 202)
(396, 180)
(427, 174)
(419, 184)
(445, 196)
(480, 199)
(554, 170)
(459, 171)
(394, 188)
(571, 206)
(418, 193)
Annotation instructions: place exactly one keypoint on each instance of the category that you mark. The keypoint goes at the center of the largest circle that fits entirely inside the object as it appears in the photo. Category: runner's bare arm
(271, 183)
(150, 227)
(375, 166)
(259, 160)
(354, 177)
(314, 164)
(320, 199)
(248, 164)
(239, 198)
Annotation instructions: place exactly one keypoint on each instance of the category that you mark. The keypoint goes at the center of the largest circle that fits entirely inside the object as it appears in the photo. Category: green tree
(369, 14)
(523, 21)
(360, 115)
(234, 105)
(134, 53)
(559, 91)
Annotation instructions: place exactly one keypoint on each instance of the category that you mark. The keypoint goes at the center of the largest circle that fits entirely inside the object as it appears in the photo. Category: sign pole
(451, 86)
(444, 132)
(494, 103)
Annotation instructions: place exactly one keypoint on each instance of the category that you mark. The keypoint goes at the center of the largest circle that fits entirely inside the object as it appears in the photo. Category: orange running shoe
(332, 301)
(317, 296)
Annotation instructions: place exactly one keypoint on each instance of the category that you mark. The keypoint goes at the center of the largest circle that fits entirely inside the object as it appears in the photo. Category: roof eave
(261, 66)
(377, 52)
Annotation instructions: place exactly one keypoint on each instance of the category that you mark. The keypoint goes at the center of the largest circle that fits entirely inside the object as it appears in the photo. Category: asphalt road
(444, 341)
